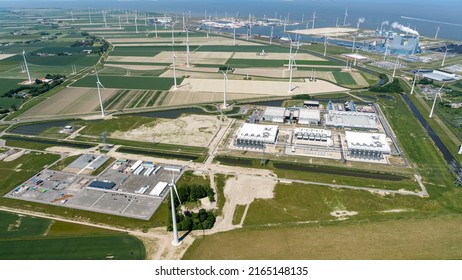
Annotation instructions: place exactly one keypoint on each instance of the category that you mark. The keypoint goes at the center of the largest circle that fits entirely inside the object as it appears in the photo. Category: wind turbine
(98, 85)
(413, 82)
(325, 45)
(291, 63)
(354, 43)
(126, 15)
(314, 19)
(434, 100)
(72, 16)
(234, 35)
(225, 78)
(120, 24)
(174, 69)
(437, 31)
(173, 33)
(271, 35)
(345, 17)
(25, 64)
(136, 24)
(104, 18)
(145, 20)
(89, 15)
(394, 68)
(444, 57)
(175, 241)
(187, 48)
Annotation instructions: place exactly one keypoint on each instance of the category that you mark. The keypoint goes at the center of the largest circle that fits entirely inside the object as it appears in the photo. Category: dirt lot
(70, 101)
(258, 87)
(283, 73)
(181, 98)
(359, 79)
(275, 56)
(329, 31)
(192, 130)
(3, 56)
(136, 67)
(194, 57)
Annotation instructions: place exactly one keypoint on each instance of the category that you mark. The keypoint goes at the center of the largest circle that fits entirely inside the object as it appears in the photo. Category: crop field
(121, 82)
(7, 84)
(242, 63)
(78, 59)
(70, 101)
(30, 238)
(399, 239)
(344, 78)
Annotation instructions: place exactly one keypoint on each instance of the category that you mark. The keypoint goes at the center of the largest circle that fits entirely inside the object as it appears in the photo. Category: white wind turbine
(172, 186)
(136, 24)
(271, 35)
(72, 16)
(89, 15)
(438, 93)
(345, 17)
(187, 48)
(437, 31)
(394, 68)
(314, 19)
(291, 63)
(173, 33)
(104, 18)
(325, 45)
(413, 82)
(98, 85)
(174, 70)
(234, 35)
(25, 64)
(225, 78)
(444, 57)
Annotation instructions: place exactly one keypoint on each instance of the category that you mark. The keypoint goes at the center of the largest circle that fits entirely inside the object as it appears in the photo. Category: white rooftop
(367, 141)
(275, 111)
(351, 119)
(265, 133)
(309, 114)
(355, 56)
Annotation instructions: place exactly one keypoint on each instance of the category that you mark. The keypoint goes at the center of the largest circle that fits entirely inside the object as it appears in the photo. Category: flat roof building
(102, 185)
(364, 145)
(309, 116)
(351, 119)
(274, 114)
(256, 136)
(312, 134)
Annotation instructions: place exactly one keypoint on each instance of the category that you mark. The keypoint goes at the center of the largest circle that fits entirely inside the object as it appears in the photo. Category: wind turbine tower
(175, 241)
(271, 35)
(72, 16)
(394, 68)
(136, 24)
(25, 64)
(325, 45)
(345, 17)
(444, 57)
(225, 78)
(187, 48)
(104, 18)
(291, 64)
(98, 85)
(438, 93)
(89, 16)
(314, 19)
(413, 82)
(437, 31)
(174, 70)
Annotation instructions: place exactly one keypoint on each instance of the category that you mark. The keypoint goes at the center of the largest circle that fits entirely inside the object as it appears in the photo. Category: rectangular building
(351, 119)
(364, 145)
(312, 134)
(274, 114)
(256, 136)
(309, 116)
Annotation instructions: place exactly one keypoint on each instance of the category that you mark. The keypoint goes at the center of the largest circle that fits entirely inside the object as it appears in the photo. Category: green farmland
(30, 238)
(344, 78)
(149, 83)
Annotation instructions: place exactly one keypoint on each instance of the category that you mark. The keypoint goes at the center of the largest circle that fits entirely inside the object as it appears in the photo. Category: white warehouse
(309, 116)
(351, 119)
(256, 136)
(364, 145)
(274, 114)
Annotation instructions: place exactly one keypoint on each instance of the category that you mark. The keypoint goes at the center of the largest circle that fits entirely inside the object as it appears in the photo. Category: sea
(444, 14)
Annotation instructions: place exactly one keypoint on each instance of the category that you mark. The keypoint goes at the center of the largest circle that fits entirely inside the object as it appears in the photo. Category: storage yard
(126, 188)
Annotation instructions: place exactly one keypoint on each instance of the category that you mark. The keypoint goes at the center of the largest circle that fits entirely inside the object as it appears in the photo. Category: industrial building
(309, 116)
(438, 75)
(404, 45)
(351, 119)
(256, 136)
(312, 134)
(274, 114)
(371, 146)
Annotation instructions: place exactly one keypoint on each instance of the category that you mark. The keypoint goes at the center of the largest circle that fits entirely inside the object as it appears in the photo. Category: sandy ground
(359, 79)
(14, 156)
(276, 88)
(284, 73)
(136, 67)
(194, 57)
(196, 75)
(242, 190)
(3, 56)
(204, 41)
(192, 130)
(275, 56)
(181, 98)
(69, 101)
(329, 31)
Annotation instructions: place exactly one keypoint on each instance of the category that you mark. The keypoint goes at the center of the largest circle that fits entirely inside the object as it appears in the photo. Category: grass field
(16, 226)
(242, 63)
(344, 78)
(125, 123)
(36, 143)
(123, 82)
(60, 165)
(432, 238)
(8, 84)
(118, 247)
(238, 213)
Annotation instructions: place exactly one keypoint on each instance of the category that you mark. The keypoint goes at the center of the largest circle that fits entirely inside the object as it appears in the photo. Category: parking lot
(131, 196)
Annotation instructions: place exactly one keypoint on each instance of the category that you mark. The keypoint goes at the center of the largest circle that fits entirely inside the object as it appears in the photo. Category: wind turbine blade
(101, 85)
(176, 191)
